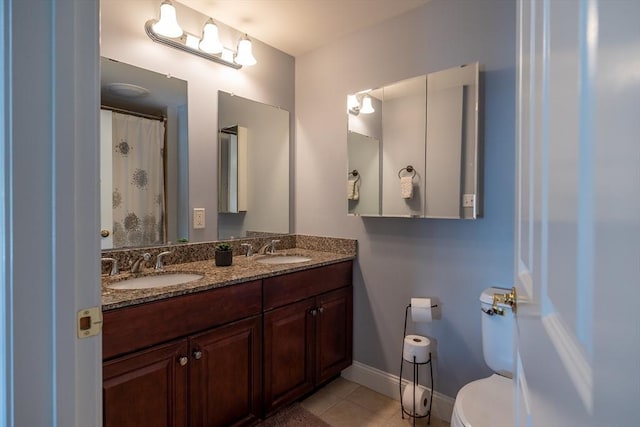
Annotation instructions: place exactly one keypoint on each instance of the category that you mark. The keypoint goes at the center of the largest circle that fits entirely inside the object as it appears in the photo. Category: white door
(577, 252)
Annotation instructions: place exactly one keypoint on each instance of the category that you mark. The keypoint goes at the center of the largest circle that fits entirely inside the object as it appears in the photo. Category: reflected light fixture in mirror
(167, 31)
(367, 108)
(360, 103)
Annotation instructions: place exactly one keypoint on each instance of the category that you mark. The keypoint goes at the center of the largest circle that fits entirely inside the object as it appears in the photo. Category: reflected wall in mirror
(266, 200)
(232, 170)
(427, 128)
(143, 157)
(363, 178)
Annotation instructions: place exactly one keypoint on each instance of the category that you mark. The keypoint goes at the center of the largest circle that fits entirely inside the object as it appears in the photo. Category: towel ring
(409, 169)
(355, 174)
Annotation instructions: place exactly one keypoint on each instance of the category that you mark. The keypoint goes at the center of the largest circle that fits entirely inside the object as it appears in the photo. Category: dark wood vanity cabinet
(146, 388)
(225, 375)
(227, 356)
(308, 325)
(210, 377)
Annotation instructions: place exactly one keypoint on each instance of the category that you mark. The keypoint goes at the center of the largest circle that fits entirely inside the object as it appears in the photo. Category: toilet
(489, 402)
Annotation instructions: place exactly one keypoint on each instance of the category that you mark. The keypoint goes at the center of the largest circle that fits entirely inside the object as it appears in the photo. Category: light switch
(198, 218)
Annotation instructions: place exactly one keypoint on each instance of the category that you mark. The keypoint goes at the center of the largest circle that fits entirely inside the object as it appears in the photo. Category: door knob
(104, 233)
(183, 360)
(313, 312)
(197, 354)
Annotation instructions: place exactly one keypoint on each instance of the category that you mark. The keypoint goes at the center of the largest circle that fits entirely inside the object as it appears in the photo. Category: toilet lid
(486, 403)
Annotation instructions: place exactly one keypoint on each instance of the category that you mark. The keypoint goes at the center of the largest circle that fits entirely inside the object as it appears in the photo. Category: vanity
(230, 348)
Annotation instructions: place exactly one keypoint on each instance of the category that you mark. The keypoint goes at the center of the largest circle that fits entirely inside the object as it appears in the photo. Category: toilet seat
(485, 403)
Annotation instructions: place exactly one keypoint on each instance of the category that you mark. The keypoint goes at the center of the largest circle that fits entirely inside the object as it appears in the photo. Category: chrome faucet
(160, 260)
(269, 248)
(114, 265)
(136, 267)
(249, 248)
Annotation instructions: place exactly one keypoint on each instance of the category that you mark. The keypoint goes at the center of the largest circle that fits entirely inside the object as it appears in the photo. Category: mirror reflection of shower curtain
(138, 181)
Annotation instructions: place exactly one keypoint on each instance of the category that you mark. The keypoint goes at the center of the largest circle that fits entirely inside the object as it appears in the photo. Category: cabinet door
(225, 375)
(334, 337)
(288, 353)
(147, 388)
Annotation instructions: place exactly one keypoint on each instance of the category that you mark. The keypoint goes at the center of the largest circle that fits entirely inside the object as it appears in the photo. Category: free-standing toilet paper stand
(414, 365)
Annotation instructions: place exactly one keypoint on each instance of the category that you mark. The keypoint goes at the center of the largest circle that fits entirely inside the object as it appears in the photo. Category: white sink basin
(155, 281)
(283, 259)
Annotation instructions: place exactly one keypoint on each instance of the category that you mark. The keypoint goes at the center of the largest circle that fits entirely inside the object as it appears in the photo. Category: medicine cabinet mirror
(414, 147)
(253, 168)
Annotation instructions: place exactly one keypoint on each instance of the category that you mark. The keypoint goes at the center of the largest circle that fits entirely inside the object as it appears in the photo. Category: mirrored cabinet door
(422, 133)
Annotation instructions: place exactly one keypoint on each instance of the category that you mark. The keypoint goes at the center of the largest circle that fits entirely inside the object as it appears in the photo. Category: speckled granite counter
(243, 269)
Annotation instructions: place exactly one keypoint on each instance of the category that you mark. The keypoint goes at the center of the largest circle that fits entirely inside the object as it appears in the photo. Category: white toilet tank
(497, 334)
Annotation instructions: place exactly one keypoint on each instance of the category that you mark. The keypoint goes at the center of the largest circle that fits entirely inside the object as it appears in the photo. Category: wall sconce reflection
(360, 103)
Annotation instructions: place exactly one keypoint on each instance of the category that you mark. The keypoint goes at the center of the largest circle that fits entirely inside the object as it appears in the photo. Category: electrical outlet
(198, 218)
(468, 200)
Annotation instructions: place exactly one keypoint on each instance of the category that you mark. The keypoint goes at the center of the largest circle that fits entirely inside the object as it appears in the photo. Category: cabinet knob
(313, 312)
(183, 360)
(320, 310)
(197, 354)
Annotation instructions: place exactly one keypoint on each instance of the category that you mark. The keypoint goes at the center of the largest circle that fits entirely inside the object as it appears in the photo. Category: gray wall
(271, 81)
(452, 260)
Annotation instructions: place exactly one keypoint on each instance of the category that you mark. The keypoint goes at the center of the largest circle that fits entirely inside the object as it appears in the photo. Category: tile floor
(343, 403)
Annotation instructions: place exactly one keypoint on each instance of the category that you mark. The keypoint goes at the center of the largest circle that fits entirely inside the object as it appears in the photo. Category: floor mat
(293, 416)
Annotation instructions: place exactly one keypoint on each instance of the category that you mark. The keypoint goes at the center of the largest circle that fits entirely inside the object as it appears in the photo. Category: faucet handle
(272, 247)
(114, 265)
(160, 259)
(249, 248)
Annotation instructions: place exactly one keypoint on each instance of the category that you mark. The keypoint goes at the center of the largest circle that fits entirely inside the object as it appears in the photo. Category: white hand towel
(351, 189)
(356, 190)
(406, 187)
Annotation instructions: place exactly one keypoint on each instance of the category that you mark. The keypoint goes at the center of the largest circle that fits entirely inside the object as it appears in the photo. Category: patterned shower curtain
(138, 181)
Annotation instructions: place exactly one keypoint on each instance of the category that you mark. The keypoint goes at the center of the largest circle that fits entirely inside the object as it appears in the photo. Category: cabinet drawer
(285, 289)
(132, 328)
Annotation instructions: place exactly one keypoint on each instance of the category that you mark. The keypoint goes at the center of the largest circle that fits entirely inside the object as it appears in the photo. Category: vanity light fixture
(167, 25)
(167, 31)
(210, 42)
(244, 55)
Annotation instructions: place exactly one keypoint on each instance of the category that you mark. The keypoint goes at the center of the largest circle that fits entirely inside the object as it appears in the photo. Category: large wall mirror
(414, 147)
(253, 168)
(144, 152)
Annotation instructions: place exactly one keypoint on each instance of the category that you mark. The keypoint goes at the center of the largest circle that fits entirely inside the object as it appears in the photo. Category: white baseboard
(387, 384)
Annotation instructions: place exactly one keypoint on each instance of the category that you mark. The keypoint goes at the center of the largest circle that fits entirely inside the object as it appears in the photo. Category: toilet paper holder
(415, 365)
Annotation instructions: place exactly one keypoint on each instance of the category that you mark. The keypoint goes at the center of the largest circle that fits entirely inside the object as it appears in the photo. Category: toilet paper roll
(421, 309)
(421, 400)
(418, 346)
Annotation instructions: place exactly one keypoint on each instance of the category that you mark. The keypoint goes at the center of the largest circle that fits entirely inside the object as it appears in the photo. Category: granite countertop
(243, 269)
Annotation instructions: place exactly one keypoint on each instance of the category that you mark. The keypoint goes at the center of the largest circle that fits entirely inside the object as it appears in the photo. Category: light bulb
(210, 42)
(167, 25)
(244, 55)
(367, 108)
